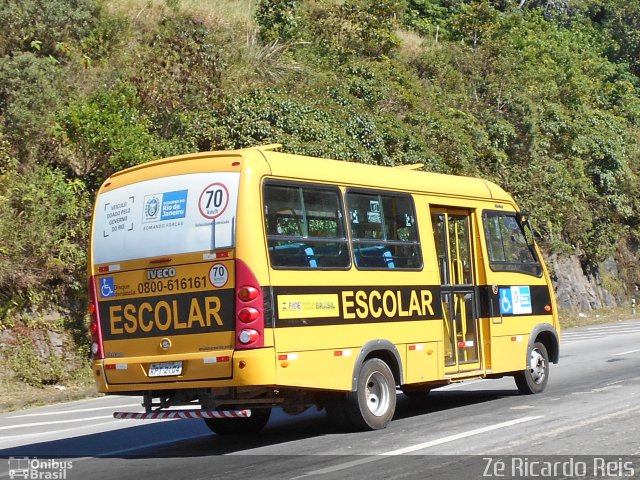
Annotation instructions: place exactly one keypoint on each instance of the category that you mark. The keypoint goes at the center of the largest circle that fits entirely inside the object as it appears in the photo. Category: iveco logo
(161, 273)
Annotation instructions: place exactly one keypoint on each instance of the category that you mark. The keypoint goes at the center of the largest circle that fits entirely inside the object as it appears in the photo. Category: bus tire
(534, 379)
(240, 426)
(372, 405)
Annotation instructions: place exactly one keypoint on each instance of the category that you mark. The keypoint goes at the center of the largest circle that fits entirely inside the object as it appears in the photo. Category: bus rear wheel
(240, 426)
(535, 377)
(372, 405)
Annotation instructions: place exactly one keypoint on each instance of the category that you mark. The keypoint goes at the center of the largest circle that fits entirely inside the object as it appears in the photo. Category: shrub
(30, 93)
(108, 132)
(41, 26)
(277, 20)
(180, 65)
(43, 231)
(355, 27)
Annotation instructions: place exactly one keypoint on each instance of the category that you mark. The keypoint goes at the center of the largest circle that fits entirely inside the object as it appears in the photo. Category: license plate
(165, 369)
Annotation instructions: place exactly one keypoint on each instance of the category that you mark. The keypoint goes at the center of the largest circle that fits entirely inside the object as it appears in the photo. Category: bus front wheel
(372, 405)
(535, 377)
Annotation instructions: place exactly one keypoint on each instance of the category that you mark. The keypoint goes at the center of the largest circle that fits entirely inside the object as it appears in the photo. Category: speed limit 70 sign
(213, 200)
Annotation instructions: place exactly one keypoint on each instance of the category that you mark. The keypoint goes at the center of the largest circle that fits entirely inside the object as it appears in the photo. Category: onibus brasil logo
(40, 469)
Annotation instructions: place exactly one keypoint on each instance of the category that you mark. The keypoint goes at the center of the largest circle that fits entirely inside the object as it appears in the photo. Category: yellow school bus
(224, 284)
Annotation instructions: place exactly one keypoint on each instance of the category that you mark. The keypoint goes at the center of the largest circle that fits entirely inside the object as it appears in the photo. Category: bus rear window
(166, 216)
(508, 247)
(305, 227)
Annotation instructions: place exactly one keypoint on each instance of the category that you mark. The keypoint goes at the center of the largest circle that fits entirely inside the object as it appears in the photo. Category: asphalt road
(585, 425)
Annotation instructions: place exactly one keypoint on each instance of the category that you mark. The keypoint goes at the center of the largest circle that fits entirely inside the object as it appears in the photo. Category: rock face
(577, 290)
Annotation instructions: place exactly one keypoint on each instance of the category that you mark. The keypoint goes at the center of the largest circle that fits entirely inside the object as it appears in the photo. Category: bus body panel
(259, 370)
(317, 320)
(162, 261)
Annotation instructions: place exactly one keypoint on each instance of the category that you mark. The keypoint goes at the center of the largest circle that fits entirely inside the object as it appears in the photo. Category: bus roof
(373, 176)
(300, 167)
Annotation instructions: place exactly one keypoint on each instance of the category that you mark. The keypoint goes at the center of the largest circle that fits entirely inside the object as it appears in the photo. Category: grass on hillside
(608, 315)
(16, 395)
(233, 11)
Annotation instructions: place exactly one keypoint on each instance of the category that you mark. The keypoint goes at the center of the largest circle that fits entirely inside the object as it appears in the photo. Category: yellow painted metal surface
(183, 305)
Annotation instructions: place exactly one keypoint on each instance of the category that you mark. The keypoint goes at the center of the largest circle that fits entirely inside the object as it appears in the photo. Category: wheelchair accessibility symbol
(506, 301)
(515, 301)
(107, 288)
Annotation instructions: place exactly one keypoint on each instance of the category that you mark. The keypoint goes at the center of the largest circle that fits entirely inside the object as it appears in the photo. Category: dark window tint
(383, 231)
(509, 248)
(305, 227)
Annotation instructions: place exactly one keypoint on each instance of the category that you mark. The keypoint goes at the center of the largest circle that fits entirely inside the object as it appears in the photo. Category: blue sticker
(516, 300)
(107, 287)
(506, 301)
(174, 205)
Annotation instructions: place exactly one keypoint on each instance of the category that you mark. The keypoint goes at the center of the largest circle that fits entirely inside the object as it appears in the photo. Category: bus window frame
(292, 238)
(353, 241)
(531, 246)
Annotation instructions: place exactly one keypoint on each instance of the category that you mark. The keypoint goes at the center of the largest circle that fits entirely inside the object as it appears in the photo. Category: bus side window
(292, 254)
(507, 245)
(305, 226)
(376, 256)
(384, 234)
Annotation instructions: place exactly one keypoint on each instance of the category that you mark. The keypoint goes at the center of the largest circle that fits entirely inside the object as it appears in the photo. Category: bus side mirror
(522, 217)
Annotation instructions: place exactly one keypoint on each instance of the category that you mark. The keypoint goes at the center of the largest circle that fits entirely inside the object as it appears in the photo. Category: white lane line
(127, 450)
(458, 436)
(625, 353)
(567, 341)
(10, 439)
(577, 424)
(607, 388)
(78, 410)
(13, 441)
(588, 336)
(601, 334)
(621, 326)
(147, 445)
(55, 422)
(604, 331)
(419, 446)
(614, 329)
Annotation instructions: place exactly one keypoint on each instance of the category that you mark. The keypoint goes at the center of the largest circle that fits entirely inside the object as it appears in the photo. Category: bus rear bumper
(253, 367)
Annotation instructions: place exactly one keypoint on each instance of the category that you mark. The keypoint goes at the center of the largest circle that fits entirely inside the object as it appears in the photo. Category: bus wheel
(534, 378)
(240, 426)
(416, 393)
(372, 405)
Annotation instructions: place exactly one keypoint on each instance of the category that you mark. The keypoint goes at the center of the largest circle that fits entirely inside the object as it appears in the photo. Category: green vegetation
(540, 96)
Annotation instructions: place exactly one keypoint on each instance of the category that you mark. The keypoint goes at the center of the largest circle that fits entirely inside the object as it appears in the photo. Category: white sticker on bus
(218, 275)
(213, 200)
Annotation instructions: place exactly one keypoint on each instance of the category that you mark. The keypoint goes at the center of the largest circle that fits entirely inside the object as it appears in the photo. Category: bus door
(451, 230)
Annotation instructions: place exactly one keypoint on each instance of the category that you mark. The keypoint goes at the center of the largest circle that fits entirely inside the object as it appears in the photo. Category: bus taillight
(248, 314)
(249, 309)
(94, 325)
(247, 293)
